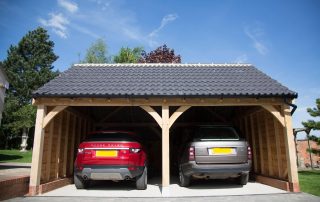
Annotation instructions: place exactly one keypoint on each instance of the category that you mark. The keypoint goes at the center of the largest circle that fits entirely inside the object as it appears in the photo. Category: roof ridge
(163, 64)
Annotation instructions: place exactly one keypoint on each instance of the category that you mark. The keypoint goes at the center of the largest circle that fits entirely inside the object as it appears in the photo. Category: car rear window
(216, 133)
(112, 136)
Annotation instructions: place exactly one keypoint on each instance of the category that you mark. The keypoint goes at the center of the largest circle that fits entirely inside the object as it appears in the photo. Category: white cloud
(84, 30)
(165, 20)
(255, 34)
(57, 22)
(241, 59)
(68, 5)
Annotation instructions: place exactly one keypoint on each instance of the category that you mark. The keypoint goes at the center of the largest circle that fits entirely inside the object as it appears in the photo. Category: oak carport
(265, 120)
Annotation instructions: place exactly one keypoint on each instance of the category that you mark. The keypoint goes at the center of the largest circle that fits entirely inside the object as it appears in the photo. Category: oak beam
(66, 143)
(262, 160)
(254, 147)
(269, 150)
(153, 113)
(49, 149)
(72, 144)
(110, 114)
(278, 148)
(52, 114)
(37, 152)
(290, 151)
(58, 147)
(275, 113)
(165, 147)
(176, 114)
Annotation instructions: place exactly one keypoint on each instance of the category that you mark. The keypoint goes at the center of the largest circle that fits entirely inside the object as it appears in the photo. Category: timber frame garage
(165, 98)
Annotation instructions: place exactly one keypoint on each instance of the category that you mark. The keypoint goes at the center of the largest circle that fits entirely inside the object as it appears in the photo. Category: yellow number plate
(106, 153)
(218, 150)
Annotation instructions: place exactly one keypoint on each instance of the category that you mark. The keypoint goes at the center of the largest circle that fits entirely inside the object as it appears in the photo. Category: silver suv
(215, 152)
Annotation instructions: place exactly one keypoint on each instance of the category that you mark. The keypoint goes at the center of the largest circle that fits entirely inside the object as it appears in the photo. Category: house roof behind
(163, 80)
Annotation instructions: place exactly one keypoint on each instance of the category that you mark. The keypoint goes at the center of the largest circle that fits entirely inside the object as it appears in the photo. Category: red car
(111, 155)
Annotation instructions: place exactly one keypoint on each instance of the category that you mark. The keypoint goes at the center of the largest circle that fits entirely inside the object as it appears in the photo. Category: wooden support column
(58, 147)
(72, 142)
(165, 123)
(49, 149)
(278, 147)
(270, 163)
(290, 151)
(165, 147)
(253, 146)
(37, 151)
(66, 143)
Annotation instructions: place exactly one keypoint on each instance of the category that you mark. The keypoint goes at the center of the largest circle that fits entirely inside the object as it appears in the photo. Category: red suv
(111, 155)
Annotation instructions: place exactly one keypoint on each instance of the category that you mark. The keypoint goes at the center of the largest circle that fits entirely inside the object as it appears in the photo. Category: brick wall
(303, 155)
(14, 187)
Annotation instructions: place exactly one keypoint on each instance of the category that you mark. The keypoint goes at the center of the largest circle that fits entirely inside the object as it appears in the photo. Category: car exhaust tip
(127, 178)
(85, 177)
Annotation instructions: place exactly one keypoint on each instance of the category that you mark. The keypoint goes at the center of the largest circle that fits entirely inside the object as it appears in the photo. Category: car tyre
(79, 182)
(243, 179)
(142, 180)
(184, 180)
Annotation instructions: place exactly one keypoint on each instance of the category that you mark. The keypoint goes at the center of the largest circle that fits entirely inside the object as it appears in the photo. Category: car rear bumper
(191, 168)
(108, 172)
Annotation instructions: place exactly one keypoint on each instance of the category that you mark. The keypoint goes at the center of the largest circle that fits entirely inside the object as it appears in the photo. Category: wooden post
(254, 146)
(262, 164)
(165, 147)
(270, 163)
(49, 147)
(278, 147)
(58, 147)
(37, 151)
(165, 123)
(72, 142)
(66, 143)
(290, 151)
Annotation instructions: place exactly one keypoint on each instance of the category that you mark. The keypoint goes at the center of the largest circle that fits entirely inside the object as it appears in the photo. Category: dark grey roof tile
(136, 80)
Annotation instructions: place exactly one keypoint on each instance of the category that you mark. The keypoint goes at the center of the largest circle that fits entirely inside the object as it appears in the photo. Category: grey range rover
(215, 152)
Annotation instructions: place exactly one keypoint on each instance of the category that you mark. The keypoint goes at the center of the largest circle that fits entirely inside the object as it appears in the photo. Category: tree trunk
(310, 153)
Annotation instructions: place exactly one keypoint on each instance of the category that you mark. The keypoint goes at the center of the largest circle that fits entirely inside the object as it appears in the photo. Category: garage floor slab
(198, 188)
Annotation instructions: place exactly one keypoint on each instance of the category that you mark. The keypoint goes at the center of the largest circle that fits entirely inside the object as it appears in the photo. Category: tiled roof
(163, 80)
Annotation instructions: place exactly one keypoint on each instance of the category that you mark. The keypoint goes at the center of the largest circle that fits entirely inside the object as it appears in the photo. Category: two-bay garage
(162, 102)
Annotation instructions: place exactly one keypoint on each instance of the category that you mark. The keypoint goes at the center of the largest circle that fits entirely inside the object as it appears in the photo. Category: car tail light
(134, 150)
(80, 151)
(191, 154)
(249, 153)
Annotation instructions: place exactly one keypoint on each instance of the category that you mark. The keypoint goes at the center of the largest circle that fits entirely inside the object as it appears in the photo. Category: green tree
(97, 53)
(128, 55)
(28, 66)
(313, 125)
(162, 54)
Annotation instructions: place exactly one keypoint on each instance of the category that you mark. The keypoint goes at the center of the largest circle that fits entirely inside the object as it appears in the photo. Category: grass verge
(310, 181)
(15, 156)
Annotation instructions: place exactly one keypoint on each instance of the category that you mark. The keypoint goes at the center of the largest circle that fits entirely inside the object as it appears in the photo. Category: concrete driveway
(289, 197)
(198, 188)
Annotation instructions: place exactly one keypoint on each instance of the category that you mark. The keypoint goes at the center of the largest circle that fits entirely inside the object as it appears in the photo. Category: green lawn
(15, 156)
(310, 182)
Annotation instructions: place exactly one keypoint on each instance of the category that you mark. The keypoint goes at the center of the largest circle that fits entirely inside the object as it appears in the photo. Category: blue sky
(281, 38)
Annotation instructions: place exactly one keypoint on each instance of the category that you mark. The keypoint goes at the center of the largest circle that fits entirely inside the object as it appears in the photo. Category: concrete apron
(198, 188)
